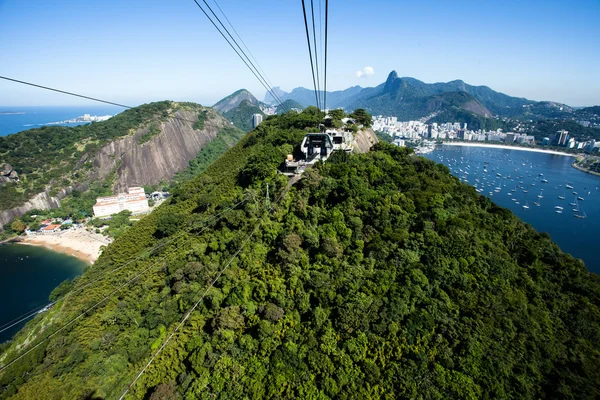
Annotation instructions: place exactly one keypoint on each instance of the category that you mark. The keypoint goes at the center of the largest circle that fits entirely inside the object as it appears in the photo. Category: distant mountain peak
(233, 100)
(392, 76)
(392, 83)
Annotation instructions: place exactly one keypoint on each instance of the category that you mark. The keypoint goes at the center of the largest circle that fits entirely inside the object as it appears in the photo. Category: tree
(18, 226)
(168, 224)
(34, 226)
(362, 117)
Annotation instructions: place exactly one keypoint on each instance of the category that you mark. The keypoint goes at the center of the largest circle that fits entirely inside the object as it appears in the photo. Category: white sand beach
(501, 146)
(76, 242)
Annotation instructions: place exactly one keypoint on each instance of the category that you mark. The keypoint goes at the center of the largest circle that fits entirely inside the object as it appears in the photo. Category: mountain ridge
(497, 103)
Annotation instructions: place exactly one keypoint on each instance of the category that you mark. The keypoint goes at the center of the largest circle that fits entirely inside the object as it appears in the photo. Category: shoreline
(577, 167)
(90, 259)
(78, 243)
(501, 146)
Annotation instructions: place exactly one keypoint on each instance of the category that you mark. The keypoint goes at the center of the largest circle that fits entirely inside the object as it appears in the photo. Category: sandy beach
(500, 146)
(75, 242)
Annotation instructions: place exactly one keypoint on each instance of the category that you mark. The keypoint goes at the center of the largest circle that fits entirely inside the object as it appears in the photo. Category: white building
(256, 120)
(134, 200)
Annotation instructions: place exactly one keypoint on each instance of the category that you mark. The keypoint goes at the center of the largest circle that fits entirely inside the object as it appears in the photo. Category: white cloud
(365, 72)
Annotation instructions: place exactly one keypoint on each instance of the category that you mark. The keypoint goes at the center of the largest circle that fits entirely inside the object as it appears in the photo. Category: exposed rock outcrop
(160, 158)
(8, 174)
(364, 140)
(41, 201)
(156, 160)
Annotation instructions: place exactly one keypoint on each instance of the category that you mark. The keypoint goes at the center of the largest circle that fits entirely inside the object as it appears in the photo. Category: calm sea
(29, 274)
(519, 176)
(17, 119)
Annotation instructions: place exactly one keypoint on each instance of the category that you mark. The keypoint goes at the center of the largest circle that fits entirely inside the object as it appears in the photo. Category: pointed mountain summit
(392, 83)
(235, 99)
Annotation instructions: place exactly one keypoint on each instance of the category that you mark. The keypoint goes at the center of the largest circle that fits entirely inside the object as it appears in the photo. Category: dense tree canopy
(375, 276)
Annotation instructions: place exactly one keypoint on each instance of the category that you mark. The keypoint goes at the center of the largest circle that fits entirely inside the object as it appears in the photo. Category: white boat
(537, 203)
(558, 207)
(526, 206)
(569, 186)
(582, 216)
(541, 195)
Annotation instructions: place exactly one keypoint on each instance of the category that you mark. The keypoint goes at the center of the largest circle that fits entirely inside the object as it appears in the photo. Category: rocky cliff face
(151, 162)
(364, 140)
(160, 158)
(42, 201)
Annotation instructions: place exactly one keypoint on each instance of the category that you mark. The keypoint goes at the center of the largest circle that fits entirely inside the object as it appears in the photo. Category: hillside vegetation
(63, 156)
(52, 153)
(377, 275)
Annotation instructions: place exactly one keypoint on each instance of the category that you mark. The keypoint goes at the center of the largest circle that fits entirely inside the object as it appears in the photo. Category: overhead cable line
(73, 320)
(245, 60)
(106, 274)
(191, 310)
(187, 314)
(310, 54)
(321, 29)
(247, 49)
(264, 81)
(325, 72)
(312, 11)
(79, 95)
(64, 92)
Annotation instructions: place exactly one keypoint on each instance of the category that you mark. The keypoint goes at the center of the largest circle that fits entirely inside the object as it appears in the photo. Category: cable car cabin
(317, 147)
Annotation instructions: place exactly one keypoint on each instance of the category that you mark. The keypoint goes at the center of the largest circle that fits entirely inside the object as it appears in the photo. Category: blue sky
(137, 51)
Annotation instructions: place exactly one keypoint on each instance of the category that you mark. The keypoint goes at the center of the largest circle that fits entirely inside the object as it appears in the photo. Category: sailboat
(569, 185)
(537, 203)
(562, 197)
(576, 209)
(526, 206)
(582, 216)
(541, 195)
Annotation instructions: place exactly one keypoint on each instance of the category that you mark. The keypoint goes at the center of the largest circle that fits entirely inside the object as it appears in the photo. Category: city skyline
(153, 50)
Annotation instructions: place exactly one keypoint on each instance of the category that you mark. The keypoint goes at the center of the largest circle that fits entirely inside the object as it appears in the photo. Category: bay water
(16, 119)
(28, 274)
(521, 177)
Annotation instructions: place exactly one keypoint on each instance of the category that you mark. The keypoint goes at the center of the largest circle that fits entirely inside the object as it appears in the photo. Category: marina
(541, 189)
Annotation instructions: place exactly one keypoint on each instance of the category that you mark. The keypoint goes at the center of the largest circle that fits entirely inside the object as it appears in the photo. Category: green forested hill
(375, 276)
(56, 152)
(241, 115)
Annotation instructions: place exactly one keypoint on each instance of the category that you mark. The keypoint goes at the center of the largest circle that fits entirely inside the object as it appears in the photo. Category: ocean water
(576, 236)
(29, 274)
(17, 119)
